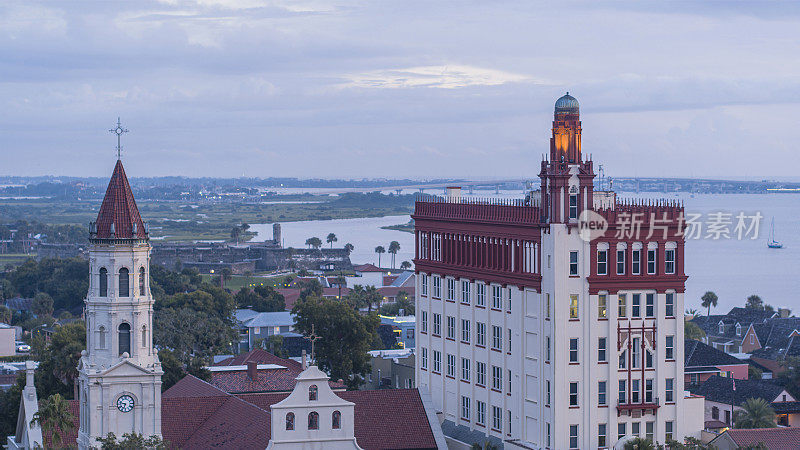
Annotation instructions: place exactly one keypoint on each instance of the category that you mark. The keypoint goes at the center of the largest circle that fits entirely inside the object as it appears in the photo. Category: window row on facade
(638, 307)
(452, 333)
(622, 431)
(123, 284)
(466, 292)
(497, 379)
(123, 338)
(313, 421)
(633, 261)
(480, 417)
(486, 252)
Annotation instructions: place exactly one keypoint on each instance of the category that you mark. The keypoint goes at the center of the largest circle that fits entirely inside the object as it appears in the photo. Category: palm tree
(394, 246)
(314, 242)
(709, 299)
(55, 419)
(756, 414)
(331, 239)
(349, 247)
(405, 265)
(372, 296)
(379, 250)
(486, 446)
(754, 302)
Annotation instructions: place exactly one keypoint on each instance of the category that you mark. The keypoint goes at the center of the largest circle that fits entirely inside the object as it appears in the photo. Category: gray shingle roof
(698, 354)
(720, 389)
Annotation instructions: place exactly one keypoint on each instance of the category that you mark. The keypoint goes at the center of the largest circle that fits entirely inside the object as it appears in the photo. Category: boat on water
(772, 243)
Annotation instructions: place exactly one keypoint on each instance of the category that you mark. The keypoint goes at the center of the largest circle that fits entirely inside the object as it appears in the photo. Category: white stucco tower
(119, 372)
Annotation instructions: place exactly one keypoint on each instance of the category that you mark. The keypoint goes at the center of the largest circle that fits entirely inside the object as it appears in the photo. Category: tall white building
(555, 321)
(119, 372)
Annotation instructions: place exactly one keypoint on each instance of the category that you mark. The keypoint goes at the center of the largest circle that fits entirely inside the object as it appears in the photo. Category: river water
(730, 267)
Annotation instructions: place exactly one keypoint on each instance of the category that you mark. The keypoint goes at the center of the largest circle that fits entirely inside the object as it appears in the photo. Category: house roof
(783, 438)
(290, 297)
(367, 268)
(119, 209)
(400, 279)
(786, 407)
(19, 303)
(334, 291)
(270, 319)
(747, 316)
(698, 354)
(768, 364)
(392, 291)
(720, 389)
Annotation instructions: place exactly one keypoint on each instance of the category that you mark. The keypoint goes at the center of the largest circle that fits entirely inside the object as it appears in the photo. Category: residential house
(701, 361)
(772, 438)
(733, 332)
(255, 326)
(724, 396)
(391, 369)
(403, 327)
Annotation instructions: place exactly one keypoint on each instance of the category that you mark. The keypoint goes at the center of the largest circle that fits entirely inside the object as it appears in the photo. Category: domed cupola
(567, 104)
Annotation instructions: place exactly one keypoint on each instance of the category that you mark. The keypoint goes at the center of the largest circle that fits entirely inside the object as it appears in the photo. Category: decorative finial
(118, 131)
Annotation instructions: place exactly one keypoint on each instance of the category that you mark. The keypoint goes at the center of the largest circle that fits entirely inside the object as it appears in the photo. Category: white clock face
(125, 403)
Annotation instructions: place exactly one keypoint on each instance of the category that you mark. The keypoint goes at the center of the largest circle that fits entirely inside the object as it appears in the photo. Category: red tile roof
(119, 208)
(773, 438)
(367, 268)
(290, 297)
(260, 356)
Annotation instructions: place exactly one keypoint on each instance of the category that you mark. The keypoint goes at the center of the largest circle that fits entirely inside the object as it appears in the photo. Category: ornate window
(101, 337)
(312, 392)
(103, 282)
(124, 282)
(336, 419)
(141, 281)
(124, 338)
(313, 420)
(290, 421)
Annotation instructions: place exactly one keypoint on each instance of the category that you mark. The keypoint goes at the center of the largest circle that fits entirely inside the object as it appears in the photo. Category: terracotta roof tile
(773, 438)
(119, 208)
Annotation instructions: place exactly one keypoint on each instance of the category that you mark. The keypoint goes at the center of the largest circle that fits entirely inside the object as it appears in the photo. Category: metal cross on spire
(118, 131)
(313, 338)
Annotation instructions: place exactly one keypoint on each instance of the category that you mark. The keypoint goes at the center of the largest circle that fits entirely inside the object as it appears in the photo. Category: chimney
(454, 193)
(784, 313)
(252, 370)
(305, 360)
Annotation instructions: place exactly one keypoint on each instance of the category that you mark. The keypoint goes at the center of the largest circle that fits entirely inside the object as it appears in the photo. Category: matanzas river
(732, 268)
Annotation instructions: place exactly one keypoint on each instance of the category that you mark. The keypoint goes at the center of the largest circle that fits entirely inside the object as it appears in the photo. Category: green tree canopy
(709, 299)
(405, 265)
(314, 242)
(754, 302)
(403, 302)
(693, 331)
(261, 299)
(55, 419)
(65, 280)
(345, 337)
(175, 369)
(756, 413)
(42, 304)
(349, 247)
(790, 377)
(58, 359)
(132, 441)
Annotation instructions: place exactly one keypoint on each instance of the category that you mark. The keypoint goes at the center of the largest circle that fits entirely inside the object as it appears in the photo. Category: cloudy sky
(382, 88)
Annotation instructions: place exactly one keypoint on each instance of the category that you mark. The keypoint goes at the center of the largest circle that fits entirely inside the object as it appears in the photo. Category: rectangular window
(465, 369)
(670, 305)
(648, 359)
(620, 262)
(601, 435)
(601, 349)
(649, 430)
(547, 349)
(573, 306)
(623, 308)
(436, 250)
(573, 350)
(480, 297)
(623, 359)
(508, 381)
(424, 285)
(497, 337)
(573, 393)
(635, 390)
(508, 429)
(451, 327)
(437, 361)
(602, 262)
(651, 261)
(669, 387)
(547, 393)
(437, 287)
(465, 407)
(508, 306)
(424, 321)
(465, 294)
(601, 393)
(635, 428)
(547, 305)
(621, 430)
(480, 412)
(451, 289)
(573, 436)
(451, 365)
(437, 324)
(636, 305)
(573, 263)
(424, 358)
(465, 330)
(636, 354)
(547, 434)
(497, 378)
(636, 261)
(497, 297)
(648, 390)
(669, 261)
(573, 206)
(480, 334)
(623, 398)
(602, 306)
(508, 349)
(649, 305)
(668, 430)
(669, 348)
(480, 373)
(497, 418)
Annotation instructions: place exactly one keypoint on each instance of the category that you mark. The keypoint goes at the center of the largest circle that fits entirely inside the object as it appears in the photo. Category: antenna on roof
(119, 131)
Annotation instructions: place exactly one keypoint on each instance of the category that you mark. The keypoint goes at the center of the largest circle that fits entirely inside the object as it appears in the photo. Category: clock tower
(119, 372)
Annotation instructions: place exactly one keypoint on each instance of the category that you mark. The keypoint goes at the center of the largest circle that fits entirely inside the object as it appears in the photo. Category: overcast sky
(384, 88)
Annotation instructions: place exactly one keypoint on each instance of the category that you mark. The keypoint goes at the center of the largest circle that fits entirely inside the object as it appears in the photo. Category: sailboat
(772, 243)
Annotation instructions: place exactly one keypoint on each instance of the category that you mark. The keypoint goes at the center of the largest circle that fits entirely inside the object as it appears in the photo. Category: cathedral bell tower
(119, 372)
(567, 180)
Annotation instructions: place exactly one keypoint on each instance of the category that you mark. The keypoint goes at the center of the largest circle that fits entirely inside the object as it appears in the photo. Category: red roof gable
(773, 438)
(119, 208)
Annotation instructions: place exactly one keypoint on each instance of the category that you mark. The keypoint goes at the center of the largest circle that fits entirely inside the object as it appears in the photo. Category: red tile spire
(118, 217)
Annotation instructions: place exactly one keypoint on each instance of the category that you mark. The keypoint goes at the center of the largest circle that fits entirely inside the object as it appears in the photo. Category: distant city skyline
(345, 89)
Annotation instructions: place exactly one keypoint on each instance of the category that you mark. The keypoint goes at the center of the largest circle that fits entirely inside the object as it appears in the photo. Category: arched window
(141, 281)
(313, 421)
(101, 337)
(312, 392)
(124, 283)
(290, 421)
(124, 338)
(337, 420)
(144, 336)
(103, 282)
